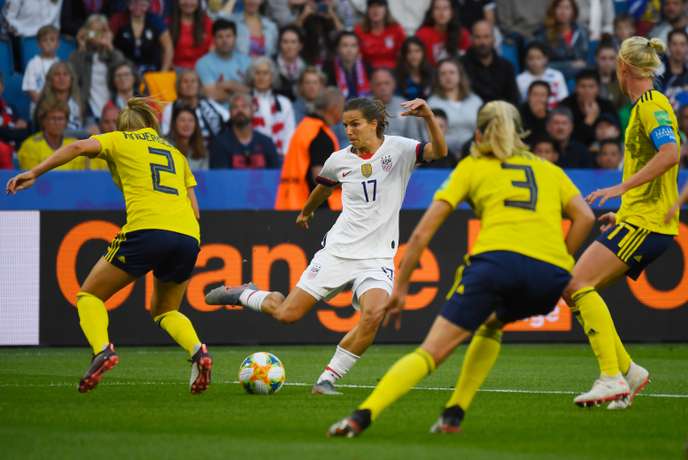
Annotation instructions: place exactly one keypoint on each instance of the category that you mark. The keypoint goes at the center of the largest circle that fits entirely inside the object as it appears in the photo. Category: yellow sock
(93, 318)
(398, 380)
(477, 363)
(180, 329)
(599, 327)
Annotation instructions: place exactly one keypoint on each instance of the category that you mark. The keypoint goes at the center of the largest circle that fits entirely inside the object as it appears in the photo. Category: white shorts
(328, 275)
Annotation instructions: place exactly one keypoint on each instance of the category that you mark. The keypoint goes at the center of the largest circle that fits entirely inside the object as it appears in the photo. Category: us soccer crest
(313, 272)
(387, 163)
(366, 169)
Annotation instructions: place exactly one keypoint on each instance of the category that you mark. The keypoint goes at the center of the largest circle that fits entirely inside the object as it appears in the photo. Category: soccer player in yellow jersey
(161, 234)
(518, 267)
(635, 235)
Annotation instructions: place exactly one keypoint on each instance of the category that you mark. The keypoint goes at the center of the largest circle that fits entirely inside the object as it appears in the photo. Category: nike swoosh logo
(346, 173)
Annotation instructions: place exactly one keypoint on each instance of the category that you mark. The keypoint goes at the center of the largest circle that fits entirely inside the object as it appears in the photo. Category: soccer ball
(262, 373)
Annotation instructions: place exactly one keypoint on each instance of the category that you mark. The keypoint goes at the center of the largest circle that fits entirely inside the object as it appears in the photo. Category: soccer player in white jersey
(358, 251)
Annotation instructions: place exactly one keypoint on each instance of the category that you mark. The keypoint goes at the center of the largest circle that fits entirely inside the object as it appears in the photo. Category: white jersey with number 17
(373, 190)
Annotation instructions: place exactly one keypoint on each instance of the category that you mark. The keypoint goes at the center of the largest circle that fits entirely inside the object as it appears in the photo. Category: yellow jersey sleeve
(567, 188)
(107, 144)
(456, 187)
(656, 121)
(189, 179)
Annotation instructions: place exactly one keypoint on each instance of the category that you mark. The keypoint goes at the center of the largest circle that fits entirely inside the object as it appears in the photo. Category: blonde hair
(501, 128)
(642, 55)
(138, 114)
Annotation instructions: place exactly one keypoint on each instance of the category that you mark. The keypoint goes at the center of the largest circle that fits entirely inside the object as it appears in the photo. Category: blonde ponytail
(642, 55)
(501, 128)
(138, 114)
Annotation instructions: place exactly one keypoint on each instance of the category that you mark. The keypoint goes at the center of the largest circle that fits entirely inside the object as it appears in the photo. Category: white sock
(339, 365)
(253, 299)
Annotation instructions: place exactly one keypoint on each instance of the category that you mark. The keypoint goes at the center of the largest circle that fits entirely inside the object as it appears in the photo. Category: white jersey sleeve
(328, 173)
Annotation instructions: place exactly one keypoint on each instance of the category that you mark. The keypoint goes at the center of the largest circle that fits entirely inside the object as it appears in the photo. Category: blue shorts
(512, 285)
(171, 255)
(635, 246)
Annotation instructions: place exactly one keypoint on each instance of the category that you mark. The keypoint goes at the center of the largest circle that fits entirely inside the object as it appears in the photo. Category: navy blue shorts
(512, 285)
(635, 246)
(171, 255)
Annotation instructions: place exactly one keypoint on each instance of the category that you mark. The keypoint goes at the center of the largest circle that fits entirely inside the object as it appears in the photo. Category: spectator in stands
(311, 83)
(185, 134)
(144, 38)
(674, 80)
(610, 155)
(73, 14)
(572, 154)
(587, 106)
(596, 16)
(290, 65)
(94, 55)
(25, 17)
(567, 41)
(192, 32)
(674, 17)
(537, 68)
(346, 70)
(605, 59)
(383, 88)
(256, 34)
(240, 146)
(441, 32)
(452, 93)
(223, 69)
(473, 11)
(624, 27)
(37, 67)
(607, 127)
(285, 12)
(61, 84)
(413, 71)
(274, 115)
(321, 26)
(534, 111)
(379, 35)
(491, 76)
(646, 15)
(682, 118)
(520, 19)
(451, 160)
(211, 116)
(108, 118)
(545, 147)
(52, 115)
(409, 13)
(313, 142)
(13, 130)
(123, 82)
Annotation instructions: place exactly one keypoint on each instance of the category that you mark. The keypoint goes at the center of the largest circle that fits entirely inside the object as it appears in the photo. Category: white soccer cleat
(637, 377)
(604, 389)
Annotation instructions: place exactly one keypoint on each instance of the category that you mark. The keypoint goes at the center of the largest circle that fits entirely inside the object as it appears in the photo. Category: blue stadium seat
(6, 60)
(29, 48)
(15, 97)
(509, 51)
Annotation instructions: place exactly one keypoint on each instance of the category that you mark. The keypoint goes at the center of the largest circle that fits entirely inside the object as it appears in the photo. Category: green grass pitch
(142, 409)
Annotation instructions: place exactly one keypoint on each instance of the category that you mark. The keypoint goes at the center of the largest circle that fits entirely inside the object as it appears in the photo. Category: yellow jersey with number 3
(153, 177)
(519, 201)
(651, 125)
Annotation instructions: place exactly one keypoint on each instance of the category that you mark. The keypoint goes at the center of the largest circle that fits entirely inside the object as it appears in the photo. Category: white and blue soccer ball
(262, 373)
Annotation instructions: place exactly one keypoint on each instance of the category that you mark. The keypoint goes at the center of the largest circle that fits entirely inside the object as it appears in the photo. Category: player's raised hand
(416, 108)
(20, 182)
(668, 217)
(394, 307)
(302, 220)
(605, 194)
(607, 221)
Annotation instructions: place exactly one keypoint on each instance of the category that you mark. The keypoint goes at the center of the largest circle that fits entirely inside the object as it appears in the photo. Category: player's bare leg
(355, 342)
(102, 282)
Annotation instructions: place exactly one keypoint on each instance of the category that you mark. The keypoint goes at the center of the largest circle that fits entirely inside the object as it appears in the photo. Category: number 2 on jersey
(529, 183)
(373, 183)
(156, 169)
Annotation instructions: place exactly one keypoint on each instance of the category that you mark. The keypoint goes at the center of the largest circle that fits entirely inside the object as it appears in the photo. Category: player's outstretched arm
(582, 220)
(433, 218)
(89, 147)
(437, 148)
(194, 202)
(317, 197)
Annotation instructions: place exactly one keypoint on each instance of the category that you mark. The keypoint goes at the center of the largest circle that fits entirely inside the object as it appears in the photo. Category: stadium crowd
(241, 75)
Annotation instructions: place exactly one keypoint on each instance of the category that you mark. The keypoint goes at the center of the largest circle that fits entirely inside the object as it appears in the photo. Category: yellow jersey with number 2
(519, 202)
(153, 176)
(652, 124)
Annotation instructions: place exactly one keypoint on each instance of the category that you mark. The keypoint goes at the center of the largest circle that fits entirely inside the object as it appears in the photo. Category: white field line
(302, 384)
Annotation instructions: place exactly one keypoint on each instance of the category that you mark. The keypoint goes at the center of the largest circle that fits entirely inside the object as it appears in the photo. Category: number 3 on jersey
(529, 183)
(156, 169)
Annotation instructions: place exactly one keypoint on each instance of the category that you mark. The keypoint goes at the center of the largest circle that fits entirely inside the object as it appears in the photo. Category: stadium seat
(6, 60)
(15, 97)
(29, 48)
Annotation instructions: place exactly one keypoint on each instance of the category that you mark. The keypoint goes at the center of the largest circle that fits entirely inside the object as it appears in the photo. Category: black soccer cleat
(449, 421)
(100, 363)
(351, 426)
(201, 365)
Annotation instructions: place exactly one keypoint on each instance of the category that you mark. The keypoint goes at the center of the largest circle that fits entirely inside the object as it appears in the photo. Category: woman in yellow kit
(161, 234)
(637, 233)
(518, 267)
